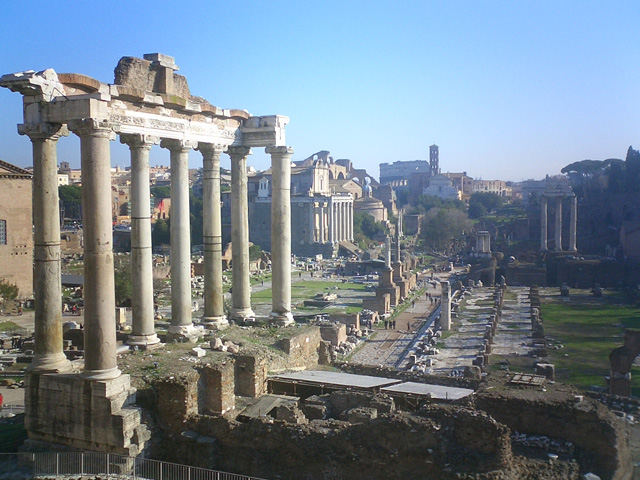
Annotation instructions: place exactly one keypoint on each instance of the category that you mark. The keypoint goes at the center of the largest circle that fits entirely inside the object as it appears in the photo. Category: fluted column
(281, 235)
(241, 294)
(180, 251)
(48, 351)
(573, 224)
(543, 224)
(558, 229)
(214, 316)
(99, 287)
(142, 314)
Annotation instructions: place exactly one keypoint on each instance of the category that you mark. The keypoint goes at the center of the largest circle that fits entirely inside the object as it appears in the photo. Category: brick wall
(16, 257)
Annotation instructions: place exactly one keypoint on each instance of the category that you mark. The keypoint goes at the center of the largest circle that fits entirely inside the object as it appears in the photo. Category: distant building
(398, 173)
(321, 207)
(463, 183)
(499, 187)
(16, 228)
(370, 205)
(441, 186)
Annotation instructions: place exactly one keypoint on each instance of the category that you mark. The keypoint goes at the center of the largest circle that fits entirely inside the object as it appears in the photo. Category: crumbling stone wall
(391, 446)
(250, 375)
(302, 348)
(593, 429)
(216, 388)
(177, 400)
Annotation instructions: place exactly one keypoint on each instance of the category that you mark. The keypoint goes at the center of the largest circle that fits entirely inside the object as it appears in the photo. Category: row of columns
(335, 222)
(573, 219)
(99, 291)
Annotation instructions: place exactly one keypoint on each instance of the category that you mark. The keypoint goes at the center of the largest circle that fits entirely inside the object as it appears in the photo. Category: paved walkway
(387, 346)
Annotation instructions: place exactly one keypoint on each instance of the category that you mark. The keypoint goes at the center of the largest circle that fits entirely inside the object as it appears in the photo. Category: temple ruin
(147, 104)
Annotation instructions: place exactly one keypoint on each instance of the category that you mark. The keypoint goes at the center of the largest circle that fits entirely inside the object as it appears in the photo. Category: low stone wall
(393, 445)
(334, 334)
(592, 428)
(303, 348)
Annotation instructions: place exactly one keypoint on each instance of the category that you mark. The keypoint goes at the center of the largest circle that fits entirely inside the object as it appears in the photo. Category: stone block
(361, 414)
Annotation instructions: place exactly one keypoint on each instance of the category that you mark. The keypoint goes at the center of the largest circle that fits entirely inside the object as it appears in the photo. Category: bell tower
(434, 160)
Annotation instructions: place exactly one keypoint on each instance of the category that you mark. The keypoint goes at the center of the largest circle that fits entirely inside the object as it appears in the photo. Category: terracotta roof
(12, 171)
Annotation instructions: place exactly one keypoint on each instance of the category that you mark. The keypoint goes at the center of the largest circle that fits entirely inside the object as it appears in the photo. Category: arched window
(3, 232)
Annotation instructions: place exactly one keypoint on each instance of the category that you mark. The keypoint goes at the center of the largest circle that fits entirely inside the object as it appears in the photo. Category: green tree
(70, 193)
(477, 210)
(161, 192)
(8, 291)
(123, 285)
(632, 163)
(490, 201)
(195, 216)
(442, 228)
(160, 233)
(254, 252)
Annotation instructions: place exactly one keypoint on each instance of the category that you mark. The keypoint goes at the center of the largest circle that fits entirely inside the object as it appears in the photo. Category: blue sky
(508, 90)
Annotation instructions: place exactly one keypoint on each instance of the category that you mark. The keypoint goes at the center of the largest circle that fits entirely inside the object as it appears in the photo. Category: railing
(10, 409)
(23, 466)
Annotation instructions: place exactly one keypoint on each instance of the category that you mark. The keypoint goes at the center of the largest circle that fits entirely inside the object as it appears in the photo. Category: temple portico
(557, 198)
(147, 104)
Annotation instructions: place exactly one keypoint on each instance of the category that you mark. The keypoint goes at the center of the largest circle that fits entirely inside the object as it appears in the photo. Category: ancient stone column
(573, 224)
(543, 223)
(241, 293)
(322, 226)
(180, 252)
(332, 233)
(312, 222)
(281, 235)
(350, 221)
(48, 354)
(387, 252)
(99, 286)
(214, 316)
(142, 313)
(445, 306)
(558, 224)
(341, 222)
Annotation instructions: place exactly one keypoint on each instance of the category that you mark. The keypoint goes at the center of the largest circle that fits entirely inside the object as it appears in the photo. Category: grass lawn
(306, 290)
(8, 326)
(589, 329)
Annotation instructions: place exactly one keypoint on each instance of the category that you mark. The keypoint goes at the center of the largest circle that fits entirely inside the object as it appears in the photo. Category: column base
(184, 333)
(143, 340)
(108, 374)
(243, 316)
(281, 319)
(50, 363)
(215, 323)
(573, 249)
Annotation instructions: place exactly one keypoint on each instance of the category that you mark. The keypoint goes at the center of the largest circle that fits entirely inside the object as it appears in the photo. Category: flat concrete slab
(265, 404)
(338, 379)
(439, 392)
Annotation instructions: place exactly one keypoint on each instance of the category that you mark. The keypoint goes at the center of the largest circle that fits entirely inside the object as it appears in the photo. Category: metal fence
(103, 465)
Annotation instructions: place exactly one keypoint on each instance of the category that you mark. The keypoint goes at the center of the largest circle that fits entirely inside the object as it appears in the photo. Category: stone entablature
(127, 109)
